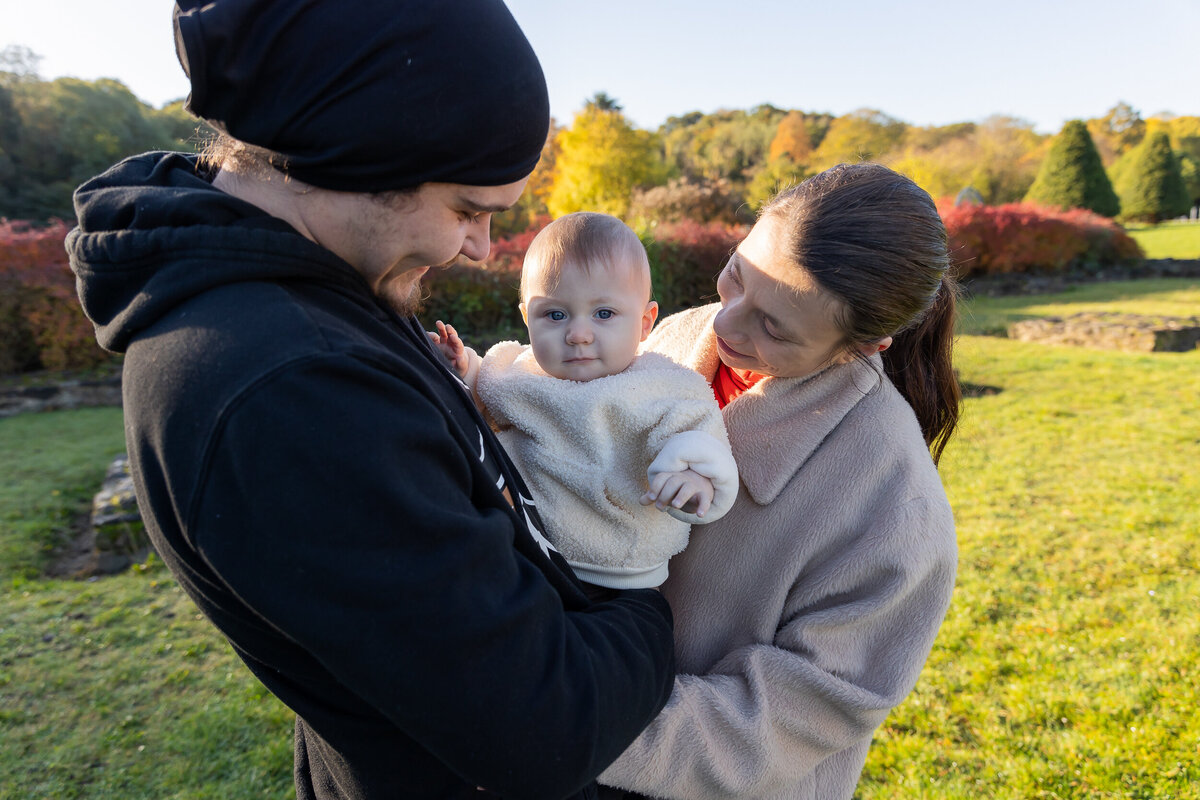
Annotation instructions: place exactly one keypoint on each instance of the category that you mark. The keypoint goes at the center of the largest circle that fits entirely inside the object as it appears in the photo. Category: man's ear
(875, 347)
(648, 318)
(524, 313)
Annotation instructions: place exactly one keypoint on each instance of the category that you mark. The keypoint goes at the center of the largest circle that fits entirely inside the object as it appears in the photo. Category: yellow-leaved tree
(602, 158)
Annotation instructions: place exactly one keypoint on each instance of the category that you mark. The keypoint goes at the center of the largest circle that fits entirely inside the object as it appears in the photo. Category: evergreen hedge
(1072, 175)
(1151, 183)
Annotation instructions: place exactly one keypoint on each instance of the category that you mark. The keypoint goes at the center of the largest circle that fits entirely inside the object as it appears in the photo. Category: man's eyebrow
(479, 208)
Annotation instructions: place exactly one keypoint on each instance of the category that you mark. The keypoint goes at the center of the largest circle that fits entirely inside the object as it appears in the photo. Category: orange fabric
(729, 385)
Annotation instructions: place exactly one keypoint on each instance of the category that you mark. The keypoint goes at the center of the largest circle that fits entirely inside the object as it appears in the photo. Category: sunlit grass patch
(1068, 665)
(1168, 240)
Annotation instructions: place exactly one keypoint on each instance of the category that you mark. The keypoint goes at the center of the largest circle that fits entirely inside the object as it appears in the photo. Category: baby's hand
(686, 490)
(447, 340)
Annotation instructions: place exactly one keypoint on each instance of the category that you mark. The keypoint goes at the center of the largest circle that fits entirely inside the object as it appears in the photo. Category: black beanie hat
(369, 95)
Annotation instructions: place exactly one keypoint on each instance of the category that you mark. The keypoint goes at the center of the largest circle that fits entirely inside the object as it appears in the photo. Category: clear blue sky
(926, 62)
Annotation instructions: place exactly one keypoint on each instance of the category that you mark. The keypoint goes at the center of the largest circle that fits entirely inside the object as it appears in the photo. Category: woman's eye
(605, 313)
(732, 273)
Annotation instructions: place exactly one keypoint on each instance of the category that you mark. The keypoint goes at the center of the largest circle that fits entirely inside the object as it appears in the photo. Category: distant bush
(1027, 238)
(683, 199)
(685, 258)
(41, 323)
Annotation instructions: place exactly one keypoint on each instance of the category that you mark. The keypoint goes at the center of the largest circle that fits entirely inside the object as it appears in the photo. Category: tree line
(717, 166)
(56, 134)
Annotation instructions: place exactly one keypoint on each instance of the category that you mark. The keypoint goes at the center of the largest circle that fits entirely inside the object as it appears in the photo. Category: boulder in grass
(1112, 331)
(120, 536)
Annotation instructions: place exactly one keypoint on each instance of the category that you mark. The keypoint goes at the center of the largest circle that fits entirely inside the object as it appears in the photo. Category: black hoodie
(323, 488)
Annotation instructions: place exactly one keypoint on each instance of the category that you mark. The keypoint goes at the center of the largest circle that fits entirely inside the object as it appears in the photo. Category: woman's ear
(875, 347)
(648, 318)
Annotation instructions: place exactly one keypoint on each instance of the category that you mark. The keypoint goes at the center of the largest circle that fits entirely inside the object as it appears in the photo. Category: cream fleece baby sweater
(586, 448)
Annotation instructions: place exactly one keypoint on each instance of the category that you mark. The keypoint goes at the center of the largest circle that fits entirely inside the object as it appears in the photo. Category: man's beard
(407, 301)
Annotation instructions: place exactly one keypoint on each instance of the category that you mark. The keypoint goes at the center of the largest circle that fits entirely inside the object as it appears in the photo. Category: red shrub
(1023, 237)
(41, 323)
(685, 258)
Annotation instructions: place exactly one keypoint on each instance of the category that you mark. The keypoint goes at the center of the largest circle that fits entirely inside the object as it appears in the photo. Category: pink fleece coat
(806, 613)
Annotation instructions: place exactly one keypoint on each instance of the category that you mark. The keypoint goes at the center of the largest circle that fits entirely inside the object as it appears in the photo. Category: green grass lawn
(1068, 666)
(1169, 239)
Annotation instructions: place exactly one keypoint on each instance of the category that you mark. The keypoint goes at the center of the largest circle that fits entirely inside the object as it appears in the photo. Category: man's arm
(400, 576)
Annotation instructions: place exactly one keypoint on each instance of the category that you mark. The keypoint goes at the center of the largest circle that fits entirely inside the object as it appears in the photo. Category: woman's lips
(726, 348)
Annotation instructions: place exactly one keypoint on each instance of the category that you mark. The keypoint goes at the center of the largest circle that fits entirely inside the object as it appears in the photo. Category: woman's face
(774, 319)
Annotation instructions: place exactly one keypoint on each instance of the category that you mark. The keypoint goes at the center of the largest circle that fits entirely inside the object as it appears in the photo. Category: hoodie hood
(153, 232)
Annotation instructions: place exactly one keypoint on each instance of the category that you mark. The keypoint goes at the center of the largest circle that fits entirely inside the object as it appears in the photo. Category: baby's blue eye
(557, 316)
(605, 313)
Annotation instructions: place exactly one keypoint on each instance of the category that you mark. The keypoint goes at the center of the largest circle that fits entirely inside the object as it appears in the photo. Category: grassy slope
(1169, 240)
(1068, 664)
(1067, 667)
(52, 466)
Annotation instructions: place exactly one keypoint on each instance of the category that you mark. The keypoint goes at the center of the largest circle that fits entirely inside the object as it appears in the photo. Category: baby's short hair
(583, 240)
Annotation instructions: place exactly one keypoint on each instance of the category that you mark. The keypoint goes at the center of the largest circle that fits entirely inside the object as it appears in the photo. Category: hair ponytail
(919, 362)
(873, 239)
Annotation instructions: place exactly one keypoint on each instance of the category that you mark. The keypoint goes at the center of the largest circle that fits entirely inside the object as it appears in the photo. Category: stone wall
(1026, 284)
(1112, 331)
(67, 394)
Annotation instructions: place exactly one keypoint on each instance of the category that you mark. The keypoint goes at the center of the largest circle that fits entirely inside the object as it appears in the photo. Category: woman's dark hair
(873, 239)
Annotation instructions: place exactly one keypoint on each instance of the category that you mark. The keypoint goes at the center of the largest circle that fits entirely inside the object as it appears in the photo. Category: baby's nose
(579, 334)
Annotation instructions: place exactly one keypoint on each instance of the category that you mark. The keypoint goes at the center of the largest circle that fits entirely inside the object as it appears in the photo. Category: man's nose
(478, 243)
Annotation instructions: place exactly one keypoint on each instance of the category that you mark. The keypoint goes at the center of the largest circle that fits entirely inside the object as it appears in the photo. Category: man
(308, 468)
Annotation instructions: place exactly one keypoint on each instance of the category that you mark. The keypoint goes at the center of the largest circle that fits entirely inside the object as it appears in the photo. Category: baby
(606, 439)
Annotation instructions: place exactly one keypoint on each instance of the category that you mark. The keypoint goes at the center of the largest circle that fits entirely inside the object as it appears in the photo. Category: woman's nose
(725, 323)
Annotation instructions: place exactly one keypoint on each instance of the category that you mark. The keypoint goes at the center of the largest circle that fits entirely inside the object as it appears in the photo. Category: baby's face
(590, 324)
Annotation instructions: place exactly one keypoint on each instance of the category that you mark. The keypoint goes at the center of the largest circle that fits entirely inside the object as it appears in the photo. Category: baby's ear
(648, 318)
(524, 313)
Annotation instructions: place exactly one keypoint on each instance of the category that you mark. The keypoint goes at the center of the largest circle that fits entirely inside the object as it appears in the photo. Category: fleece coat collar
(769, 458)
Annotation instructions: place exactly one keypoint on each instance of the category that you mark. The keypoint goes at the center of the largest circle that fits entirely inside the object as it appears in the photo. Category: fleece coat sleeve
(415, 597)
(763, 720)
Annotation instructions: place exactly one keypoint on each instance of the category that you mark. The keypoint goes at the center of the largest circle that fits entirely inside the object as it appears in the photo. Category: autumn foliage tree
(792, 139)
(1120, 130)
(601, 159)
(863, 135)
(531, 207)
(1072, 175)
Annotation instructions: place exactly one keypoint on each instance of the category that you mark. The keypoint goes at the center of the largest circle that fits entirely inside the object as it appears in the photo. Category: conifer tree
(1151, 183)
(1072, 175)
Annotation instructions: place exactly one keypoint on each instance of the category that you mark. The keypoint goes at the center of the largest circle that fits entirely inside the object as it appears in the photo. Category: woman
(806, 614)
